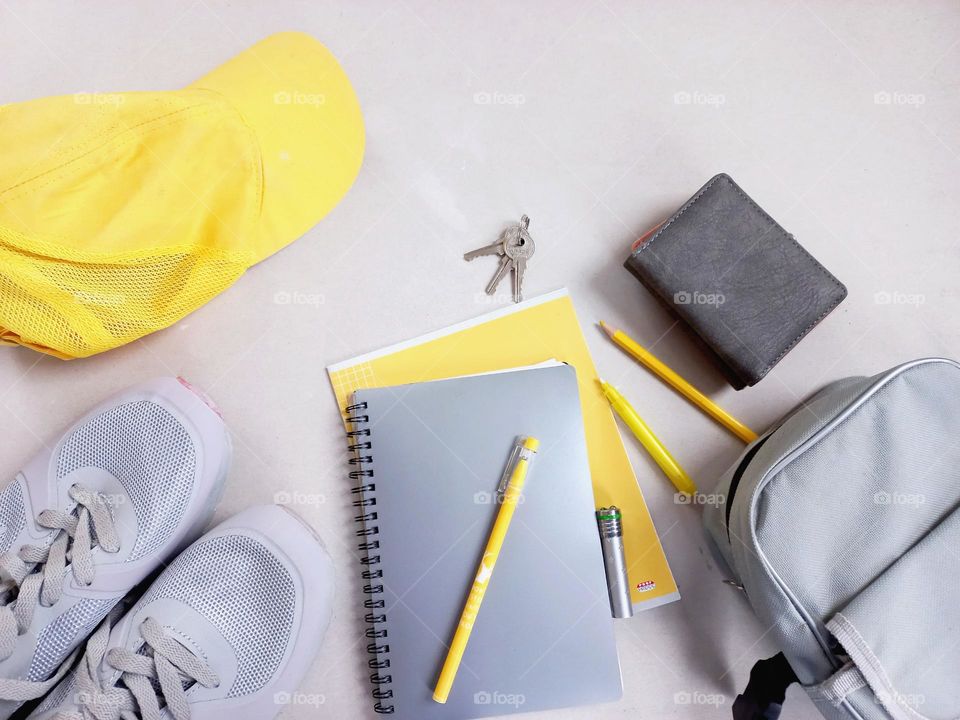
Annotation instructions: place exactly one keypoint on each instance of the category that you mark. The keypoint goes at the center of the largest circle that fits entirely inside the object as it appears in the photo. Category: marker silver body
(614, 561)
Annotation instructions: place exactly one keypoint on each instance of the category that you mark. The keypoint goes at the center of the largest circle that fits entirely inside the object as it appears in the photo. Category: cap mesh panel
(75, 307)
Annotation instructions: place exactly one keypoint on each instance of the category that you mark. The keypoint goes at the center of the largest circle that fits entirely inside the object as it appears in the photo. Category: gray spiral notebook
(429, 458)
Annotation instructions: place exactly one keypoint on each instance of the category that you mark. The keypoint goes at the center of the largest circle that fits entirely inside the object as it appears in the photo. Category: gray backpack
(842, 526)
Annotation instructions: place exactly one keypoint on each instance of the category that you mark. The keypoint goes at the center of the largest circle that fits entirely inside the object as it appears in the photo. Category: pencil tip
(607, 329)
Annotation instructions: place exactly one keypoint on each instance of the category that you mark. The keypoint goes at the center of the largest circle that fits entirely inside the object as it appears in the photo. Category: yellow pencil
(520, 462)
(658, 452)
(657, 366)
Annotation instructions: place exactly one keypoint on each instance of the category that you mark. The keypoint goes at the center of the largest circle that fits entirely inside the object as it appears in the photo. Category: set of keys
(514, 248)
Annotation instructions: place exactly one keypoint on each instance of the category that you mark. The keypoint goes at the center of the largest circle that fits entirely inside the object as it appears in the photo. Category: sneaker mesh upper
(56, 639)
(12, 516)
(245, 592)
(59, 696)
(150, 453)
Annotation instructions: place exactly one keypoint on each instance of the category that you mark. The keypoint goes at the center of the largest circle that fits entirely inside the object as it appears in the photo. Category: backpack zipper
(742, 467)
(851, 407)
(738, 475)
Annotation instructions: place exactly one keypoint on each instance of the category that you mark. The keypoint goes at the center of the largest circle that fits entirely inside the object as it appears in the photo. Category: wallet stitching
(783, 233)
(803, 332)
(680, 212)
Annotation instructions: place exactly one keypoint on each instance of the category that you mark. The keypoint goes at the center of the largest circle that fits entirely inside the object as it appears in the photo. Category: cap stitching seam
(22, 244)
(125, 137)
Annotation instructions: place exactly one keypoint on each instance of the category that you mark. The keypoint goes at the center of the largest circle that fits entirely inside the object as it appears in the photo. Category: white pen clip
(518, 452)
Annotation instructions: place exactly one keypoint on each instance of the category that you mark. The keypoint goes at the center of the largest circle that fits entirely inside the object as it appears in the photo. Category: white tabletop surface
(596, 119)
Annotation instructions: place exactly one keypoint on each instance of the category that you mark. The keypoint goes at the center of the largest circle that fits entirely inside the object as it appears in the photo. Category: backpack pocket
(901, 632)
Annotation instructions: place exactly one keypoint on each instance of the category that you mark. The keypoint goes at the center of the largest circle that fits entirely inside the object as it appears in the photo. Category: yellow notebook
(528, 333)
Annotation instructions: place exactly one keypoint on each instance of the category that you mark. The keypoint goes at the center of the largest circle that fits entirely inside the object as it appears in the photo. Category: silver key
(519, 252)
(513, 244)
(514, 247)
(505, 264)
(495, 248)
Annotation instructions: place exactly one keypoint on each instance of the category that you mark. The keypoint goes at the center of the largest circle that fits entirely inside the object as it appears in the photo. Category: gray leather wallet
(736, 278)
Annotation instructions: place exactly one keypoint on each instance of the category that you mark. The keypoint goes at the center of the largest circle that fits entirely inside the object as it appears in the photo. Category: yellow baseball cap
(122, 212)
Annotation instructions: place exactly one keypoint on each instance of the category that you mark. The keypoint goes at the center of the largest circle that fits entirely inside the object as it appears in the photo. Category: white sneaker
(122, 491)
(226, 632)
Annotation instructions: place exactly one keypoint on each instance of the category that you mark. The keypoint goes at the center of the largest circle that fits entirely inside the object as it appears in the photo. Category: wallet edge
(729, 370)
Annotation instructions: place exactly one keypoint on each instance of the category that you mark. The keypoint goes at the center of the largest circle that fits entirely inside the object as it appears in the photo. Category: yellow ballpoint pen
(516, 471)
(658, 452)
(674, 380)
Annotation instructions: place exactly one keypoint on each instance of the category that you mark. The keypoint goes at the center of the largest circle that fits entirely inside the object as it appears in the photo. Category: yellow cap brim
(302, 108)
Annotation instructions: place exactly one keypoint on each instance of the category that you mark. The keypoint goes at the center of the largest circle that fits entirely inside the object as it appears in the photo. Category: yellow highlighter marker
(669, 376)
(511, 486)
(658, 452)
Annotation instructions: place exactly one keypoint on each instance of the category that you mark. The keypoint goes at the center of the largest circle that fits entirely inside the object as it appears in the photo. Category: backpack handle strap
(763, 697)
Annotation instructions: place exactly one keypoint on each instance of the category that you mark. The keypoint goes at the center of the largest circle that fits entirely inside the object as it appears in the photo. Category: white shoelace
(34, 575)
(162, 672)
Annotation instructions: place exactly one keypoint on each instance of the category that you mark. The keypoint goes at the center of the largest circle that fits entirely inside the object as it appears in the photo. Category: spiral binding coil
(360, 445)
